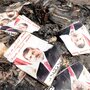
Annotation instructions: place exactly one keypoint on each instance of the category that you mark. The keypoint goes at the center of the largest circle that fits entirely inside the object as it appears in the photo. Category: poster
(7, 17)
(22, 23)
(76, 38)
(35, 57)
(74, 77)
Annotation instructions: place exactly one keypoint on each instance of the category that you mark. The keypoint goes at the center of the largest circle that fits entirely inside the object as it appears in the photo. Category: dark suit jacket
(52, 56)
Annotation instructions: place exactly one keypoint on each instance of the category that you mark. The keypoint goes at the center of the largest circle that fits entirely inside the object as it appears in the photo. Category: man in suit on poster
(68, 79)
(76, 37)
(45, 61)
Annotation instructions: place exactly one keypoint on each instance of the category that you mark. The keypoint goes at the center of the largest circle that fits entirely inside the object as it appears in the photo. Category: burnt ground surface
(52, 16)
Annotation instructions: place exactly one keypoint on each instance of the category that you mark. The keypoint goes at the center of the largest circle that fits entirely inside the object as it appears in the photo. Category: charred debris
(52, 16)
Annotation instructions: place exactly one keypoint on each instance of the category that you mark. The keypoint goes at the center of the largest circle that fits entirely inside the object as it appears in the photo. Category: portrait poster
(76, 38)
(35, 57)
(7, 17)
(22, 23)
(74, 77)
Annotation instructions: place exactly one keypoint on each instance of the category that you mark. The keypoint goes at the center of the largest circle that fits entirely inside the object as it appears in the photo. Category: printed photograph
(22, 23)
(78, 38)
(35, 57)
(75, 77)
(7, 17)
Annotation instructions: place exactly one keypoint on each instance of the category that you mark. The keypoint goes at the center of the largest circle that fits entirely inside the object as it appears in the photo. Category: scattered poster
(76, 38)
(22, 23)
(74, 77)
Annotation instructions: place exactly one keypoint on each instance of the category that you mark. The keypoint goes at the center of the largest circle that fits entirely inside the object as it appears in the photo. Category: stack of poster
(74, 77)
(35, 57)
(76, 38)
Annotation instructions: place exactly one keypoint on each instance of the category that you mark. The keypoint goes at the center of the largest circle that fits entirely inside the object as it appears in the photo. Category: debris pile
(49, 21)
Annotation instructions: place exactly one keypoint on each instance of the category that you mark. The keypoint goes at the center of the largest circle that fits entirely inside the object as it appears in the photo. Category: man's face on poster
(22, 26)
(33, 54)
(77, 39)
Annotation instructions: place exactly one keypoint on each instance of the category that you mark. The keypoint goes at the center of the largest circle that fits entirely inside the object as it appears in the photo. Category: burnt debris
(52, 16)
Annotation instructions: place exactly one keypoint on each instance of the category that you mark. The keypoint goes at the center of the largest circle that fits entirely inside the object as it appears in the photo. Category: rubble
(81, 2)
(52, 16)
